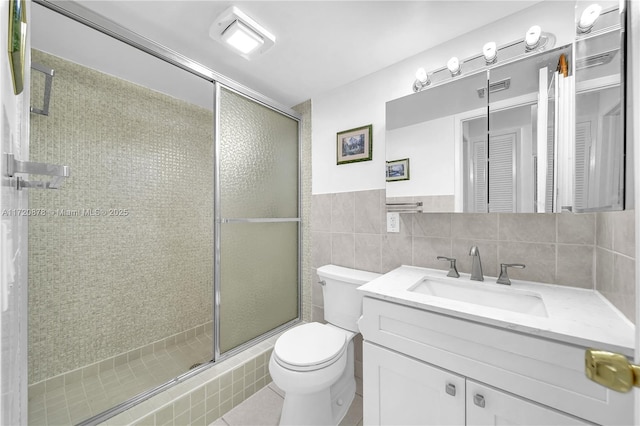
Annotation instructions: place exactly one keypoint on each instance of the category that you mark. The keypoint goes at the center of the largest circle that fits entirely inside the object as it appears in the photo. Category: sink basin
(484, 294)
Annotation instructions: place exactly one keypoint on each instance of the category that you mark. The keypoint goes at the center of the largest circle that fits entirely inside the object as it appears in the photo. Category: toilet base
(343, 394)
(325, 407)
(307, 409)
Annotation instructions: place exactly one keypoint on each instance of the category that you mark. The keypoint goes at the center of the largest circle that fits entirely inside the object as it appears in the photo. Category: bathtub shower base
(73, 399)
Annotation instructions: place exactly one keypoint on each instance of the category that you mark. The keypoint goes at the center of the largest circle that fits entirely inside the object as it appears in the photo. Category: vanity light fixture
(535, 40)
(237, 31)
(532, 38)
(490, 52)
(588, 18)
(422, 80)
(454, 66)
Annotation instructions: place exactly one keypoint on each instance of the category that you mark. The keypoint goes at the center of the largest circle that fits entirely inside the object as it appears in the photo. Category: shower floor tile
(92, 395)
(264, 407)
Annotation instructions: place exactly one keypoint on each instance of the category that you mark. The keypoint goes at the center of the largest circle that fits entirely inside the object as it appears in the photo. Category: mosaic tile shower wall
(122, 254)
(304, 109)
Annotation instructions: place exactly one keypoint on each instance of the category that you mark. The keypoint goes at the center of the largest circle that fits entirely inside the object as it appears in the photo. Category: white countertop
(575, 316)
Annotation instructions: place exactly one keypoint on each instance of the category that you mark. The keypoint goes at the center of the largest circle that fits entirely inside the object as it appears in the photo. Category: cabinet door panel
(399, 390)
(501, 408)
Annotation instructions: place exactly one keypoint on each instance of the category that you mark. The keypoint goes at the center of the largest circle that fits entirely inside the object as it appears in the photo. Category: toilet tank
(342, 302)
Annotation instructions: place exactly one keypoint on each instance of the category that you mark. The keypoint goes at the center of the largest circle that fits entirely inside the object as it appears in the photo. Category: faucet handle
(504, 277)
(453, 271)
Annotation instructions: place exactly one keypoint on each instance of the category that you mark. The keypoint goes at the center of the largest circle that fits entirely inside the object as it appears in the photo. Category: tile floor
(263, 409)
(92, 395)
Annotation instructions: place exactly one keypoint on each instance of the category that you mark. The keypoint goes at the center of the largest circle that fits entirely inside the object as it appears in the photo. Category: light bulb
(422, 80)
(532, 38)
(421, 75)
(588, 18)
(490, 52)
(454, 66)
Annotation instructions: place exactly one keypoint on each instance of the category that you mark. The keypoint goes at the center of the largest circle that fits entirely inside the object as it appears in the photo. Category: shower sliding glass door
(174, 242)
(257, 220)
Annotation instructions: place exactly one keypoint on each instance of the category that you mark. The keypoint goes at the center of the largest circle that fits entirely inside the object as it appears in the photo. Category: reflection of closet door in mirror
(474, 169)
(526, 97)
(599, 142)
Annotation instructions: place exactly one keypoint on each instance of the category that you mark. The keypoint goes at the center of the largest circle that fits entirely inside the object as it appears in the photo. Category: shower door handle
(59, 173)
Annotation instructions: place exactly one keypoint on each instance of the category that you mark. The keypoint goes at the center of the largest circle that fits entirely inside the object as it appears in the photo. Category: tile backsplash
(580, 250)
(615, 259)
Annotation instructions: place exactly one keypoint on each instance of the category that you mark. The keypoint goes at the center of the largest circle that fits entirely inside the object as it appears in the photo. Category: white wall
(363, 101)
(430, 148)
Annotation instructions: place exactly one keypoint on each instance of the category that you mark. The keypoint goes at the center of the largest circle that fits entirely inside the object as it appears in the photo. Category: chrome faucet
(504, 277)
(476, 267)
(453, 271)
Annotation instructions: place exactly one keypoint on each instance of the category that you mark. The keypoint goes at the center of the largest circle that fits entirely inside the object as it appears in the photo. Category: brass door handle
(611, 370)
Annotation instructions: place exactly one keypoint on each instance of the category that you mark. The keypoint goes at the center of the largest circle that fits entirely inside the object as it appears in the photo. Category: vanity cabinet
(400, 390)
(414, 357)
(490, 406)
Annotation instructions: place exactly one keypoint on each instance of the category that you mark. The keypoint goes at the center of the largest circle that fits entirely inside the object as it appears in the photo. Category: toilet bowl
(313, 363)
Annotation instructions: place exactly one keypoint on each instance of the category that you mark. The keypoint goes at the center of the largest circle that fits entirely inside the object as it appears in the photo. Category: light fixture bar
(535, 41)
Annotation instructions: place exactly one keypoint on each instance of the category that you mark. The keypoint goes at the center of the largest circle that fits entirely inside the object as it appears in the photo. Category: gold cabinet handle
(611, 370)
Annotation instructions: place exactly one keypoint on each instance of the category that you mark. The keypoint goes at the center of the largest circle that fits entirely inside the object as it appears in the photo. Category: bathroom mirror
(482, 142)
(558, 146)
(424, 127)
(599, 112)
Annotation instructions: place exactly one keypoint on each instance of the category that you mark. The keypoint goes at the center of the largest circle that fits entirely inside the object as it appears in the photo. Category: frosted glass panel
(258, 160)
(259, 279)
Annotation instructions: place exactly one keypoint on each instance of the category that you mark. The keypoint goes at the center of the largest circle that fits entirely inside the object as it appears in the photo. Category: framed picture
(17, 40)
(354, 145)
(398, 170)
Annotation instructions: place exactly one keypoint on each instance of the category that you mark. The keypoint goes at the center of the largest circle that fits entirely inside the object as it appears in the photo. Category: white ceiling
(320, 45)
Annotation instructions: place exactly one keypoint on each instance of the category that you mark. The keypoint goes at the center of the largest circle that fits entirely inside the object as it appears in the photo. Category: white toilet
(314, 363)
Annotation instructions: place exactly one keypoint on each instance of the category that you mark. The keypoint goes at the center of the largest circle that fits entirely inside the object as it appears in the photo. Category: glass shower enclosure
(174, 243)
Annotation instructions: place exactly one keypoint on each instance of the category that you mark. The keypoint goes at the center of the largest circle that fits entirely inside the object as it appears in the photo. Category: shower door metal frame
(95, 21)
(219, 220)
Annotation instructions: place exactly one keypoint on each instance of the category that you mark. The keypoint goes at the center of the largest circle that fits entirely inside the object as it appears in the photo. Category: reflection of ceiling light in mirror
(454, 66)
(422, 80)
(241, 37)
(239, 32)
(588, 18)
(497, 86)
(490, 52)
(532, 38)
(595, 60)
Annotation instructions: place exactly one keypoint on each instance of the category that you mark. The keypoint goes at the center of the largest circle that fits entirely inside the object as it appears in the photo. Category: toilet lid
(310, 345)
